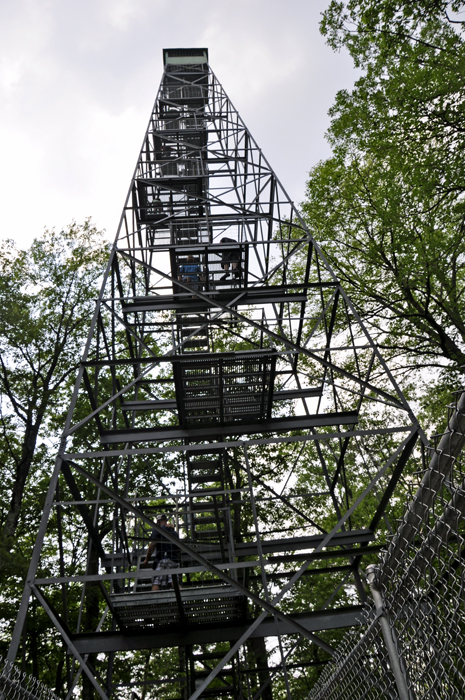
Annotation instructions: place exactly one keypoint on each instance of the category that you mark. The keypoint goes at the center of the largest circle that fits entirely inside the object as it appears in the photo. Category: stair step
(198, 330)
(207, 534)
(204, 478)
(203, 463)
(196, 339)
(208, 656)
(206, 506)
(225, 672)
(191, 320)
(207, 519)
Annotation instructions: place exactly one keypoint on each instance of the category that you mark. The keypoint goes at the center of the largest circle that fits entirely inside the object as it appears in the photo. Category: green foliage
(373, 30)
(46, 302)
(388, 206)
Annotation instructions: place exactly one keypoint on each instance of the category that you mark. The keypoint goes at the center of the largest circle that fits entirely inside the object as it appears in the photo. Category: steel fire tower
(231, 385)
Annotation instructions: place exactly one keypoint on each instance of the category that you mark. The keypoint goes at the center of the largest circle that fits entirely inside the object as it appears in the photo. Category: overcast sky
(78, 79)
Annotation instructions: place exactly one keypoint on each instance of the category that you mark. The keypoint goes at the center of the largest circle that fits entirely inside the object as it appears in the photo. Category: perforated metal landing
(158, 608)
(225, 388)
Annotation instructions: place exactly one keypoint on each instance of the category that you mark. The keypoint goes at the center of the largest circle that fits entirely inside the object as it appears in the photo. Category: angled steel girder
(224, 363)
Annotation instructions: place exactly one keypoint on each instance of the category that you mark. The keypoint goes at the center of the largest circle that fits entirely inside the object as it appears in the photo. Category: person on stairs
(230, 257)
(189, 273)
(166, 554)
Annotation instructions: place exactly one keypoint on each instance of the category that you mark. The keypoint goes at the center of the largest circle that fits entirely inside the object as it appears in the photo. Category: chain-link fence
(16, 685)
(411, 644)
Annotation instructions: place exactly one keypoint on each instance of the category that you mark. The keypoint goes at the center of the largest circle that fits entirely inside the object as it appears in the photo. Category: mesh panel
(422, 580)
(226, 390)
(16, 685)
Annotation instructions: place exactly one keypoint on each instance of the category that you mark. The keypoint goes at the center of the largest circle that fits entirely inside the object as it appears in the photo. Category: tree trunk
(22, 472)
(257, 650)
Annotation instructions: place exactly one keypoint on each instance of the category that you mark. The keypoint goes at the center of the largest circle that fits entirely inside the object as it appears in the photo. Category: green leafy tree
(46, 300)
(388, 206)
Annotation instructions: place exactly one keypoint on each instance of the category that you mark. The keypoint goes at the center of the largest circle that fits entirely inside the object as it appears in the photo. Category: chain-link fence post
(388, 634)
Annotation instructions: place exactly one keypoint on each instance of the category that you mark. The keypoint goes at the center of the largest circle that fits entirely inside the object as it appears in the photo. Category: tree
(46, 300)
(375, 31)
(388, 206)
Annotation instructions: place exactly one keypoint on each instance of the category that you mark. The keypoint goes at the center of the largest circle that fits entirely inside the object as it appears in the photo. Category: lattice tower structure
(230, 384)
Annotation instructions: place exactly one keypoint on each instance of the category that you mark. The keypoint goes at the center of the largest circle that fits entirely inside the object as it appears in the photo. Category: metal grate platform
(225, 389)
(159, 608)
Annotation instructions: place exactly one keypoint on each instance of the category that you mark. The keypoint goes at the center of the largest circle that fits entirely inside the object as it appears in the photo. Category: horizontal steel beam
(194, 448)
(272, 425)
(292, 544)
(171, 359)
(349, 553)
(289, 544)
(107, 642)
(297, 393)
(145, 573)
(171, 404)
(186, 303)
(153, 405)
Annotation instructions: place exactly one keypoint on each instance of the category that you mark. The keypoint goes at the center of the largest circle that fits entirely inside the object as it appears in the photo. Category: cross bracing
(231, 384)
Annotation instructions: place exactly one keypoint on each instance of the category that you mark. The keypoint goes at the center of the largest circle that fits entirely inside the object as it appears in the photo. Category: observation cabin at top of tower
(178, 171)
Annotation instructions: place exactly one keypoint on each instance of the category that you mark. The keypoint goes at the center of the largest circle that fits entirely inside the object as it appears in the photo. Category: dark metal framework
(241, 395)
(411, 646)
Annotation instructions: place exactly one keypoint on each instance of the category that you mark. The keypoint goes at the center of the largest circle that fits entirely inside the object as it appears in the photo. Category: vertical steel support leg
(22, 612)
(389, 636)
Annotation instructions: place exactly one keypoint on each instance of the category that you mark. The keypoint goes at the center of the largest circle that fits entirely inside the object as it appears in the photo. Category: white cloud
(10, 74)
(78, 80)
(123, 13)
